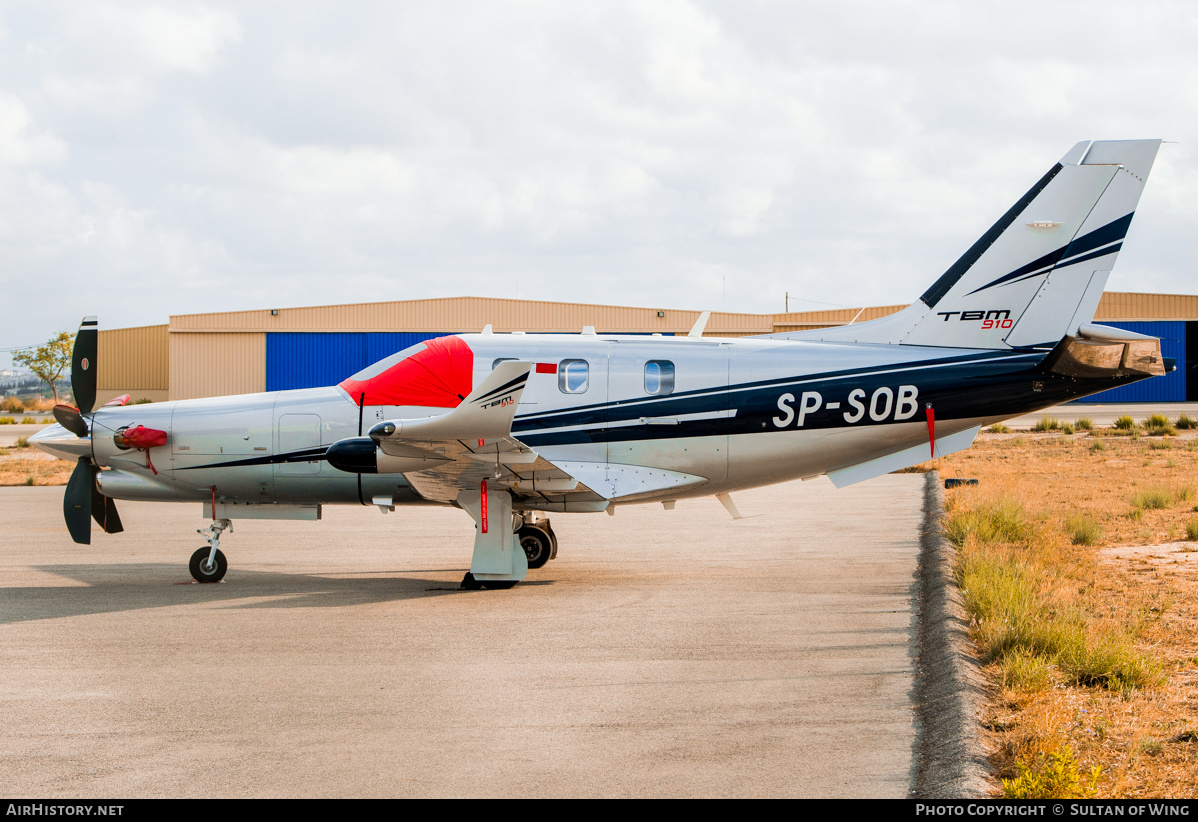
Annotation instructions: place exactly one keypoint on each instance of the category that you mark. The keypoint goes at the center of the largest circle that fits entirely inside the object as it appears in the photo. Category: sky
(173, 158)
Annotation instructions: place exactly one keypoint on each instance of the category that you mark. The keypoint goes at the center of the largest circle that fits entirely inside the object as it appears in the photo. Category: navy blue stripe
(509, 385)
(958, 269)
(1111, 232)
(306, 455)
(656, 404)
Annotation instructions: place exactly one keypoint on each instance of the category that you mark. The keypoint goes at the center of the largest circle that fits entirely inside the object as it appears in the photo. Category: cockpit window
(382, 365)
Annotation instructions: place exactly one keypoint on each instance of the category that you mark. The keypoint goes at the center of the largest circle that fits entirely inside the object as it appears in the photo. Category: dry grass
(33, 468)
(1119, 593)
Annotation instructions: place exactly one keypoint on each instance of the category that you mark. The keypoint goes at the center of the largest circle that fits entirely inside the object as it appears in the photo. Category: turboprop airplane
(511, 427)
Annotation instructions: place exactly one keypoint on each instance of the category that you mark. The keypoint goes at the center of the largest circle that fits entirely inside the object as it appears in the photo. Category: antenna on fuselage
(700, 324)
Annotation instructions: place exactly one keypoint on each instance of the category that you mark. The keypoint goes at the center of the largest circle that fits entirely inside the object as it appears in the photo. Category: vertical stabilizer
(1039, 272)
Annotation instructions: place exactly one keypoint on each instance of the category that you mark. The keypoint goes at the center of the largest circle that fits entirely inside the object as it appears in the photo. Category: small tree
(48, 361)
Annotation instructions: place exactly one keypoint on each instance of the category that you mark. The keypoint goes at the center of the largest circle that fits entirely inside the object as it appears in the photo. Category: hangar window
(659, 377)
(572, 376)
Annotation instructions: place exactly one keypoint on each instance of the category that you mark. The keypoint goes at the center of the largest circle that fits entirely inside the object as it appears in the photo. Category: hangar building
(240, 352)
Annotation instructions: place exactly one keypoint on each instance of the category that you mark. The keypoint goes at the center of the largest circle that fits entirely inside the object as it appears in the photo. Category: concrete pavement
(664, 653)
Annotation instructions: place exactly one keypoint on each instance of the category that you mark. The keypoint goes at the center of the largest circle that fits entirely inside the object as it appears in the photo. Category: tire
(536, 544)
(500, 584)
(200, 559)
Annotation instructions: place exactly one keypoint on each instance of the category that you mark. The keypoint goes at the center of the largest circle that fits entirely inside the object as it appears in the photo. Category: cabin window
(572, 376)
(659, 377)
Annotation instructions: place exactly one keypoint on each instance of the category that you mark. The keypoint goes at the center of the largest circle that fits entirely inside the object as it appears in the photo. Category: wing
(443, 456)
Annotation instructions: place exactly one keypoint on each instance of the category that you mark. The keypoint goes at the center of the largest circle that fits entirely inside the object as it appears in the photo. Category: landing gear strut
(209, 564)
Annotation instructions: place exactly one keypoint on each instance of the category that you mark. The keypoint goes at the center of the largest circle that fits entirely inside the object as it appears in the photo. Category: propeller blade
(83, 365)
(70, 419)
(77, 502)
(104, 509)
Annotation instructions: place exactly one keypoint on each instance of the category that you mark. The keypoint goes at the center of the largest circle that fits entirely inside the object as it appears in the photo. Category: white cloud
(238, 155)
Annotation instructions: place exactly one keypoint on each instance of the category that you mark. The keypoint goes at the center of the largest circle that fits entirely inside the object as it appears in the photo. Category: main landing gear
(506, 543)
(209, 564)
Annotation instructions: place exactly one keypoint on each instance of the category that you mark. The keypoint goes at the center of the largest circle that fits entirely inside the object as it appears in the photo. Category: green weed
(1082, 530)
(1158, 425)
(1053, 777)
(1047, 424)
(1002, 521)
(1153, 498)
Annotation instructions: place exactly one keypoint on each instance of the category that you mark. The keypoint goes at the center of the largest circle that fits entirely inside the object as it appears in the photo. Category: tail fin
(1039, 272)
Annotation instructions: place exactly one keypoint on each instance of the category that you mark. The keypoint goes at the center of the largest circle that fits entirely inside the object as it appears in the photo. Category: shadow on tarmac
(132, 587)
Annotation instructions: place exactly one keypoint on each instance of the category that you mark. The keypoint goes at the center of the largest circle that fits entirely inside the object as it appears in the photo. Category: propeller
(83, 500)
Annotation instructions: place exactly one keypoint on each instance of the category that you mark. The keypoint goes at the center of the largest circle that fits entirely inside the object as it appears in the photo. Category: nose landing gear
(209, 564)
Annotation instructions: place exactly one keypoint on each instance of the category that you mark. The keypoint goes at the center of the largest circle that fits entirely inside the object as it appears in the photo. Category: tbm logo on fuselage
(993, 318)
(883, 404)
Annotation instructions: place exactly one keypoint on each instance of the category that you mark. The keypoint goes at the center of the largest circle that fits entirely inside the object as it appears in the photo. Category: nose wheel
(205, 567)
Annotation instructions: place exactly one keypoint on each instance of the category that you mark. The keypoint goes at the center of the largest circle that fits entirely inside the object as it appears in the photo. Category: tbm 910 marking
(993, 318)
(879, 407)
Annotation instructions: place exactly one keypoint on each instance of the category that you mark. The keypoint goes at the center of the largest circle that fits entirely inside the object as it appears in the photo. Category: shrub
(22, 442)
(1192, 530)
(8, 421)
(1153, 498)
(1082, 530)
(1158, 425)
(1084, 424)
(12, 405)
(1125, 423)
(999, 428)
(1053, 777)
(142, 401)
(1047, 424)
(1160, 445)
(1186, 422)
(30, 421)
(1097, 446)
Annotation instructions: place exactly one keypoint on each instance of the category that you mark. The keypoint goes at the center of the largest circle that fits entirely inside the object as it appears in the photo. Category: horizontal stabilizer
(903, 459)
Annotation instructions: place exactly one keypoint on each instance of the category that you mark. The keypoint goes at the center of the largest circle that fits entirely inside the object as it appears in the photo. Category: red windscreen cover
(440, 376)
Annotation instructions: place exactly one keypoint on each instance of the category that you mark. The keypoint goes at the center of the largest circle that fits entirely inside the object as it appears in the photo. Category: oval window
(572, 376)
(659, 377)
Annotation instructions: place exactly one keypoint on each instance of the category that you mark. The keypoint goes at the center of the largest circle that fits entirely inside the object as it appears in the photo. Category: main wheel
(201, 571)
(536, 544)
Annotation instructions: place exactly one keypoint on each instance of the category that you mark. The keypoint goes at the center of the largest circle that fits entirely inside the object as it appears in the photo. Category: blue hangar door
(311, 360)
